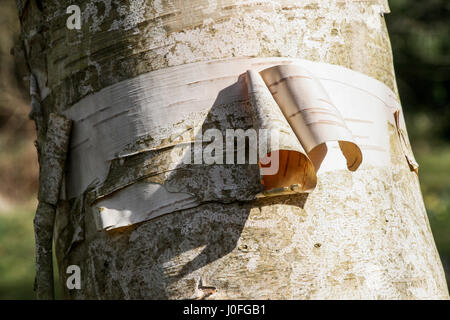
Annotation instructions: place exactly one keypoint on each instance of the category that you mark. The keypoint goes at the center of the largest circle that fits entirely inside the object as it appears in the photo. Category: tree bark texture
(358, 235)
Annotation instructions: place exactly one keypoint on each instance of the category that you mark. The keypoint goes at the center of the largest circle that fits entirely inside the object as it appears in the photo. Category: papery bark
(359, 235)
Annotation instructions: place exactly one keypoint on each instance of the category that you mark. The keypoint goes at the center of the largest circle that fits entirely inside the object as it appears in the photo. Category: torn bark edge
(404, 142)
(50, 179)
(36, 113)
(385, 5)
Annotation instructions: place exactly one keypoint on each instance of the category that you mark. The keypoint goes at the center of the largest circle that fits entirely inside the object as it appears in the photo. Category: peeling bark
(362, 234)
(52, 162)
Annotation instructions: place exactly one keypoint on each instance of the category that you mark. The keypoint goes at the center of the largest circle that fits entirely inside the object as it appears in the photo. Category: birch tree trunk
(358, 235)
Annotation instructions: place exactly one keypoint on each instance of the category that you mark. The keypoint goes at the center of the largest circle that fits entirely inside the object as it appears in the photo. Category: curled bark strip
(295, 168)
(139, 173)
(290, 100)
(52, 170)
(309, 110)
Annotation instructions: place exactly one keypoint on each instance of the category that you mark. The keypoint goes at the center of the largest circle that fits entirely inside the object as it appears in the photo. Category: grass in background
(16, 253)
(434, 175)
(17, 257)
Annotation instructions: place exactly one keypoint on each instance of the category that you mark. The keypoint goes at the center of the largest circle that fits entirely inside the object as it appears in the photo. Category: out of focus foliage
(420, 37)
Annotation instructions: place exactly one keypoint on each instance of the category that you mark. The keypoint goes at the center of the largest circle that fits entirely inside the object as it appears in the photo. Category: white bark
(362, 234)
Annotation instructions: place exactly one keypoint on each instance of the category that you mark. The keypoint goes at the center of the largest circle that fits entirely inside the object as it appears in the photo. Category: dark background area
(420, 36)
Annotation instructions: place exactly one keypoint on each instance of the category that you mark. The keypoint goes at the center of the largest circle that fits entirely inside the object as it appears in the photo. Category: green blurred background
(420, 36)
